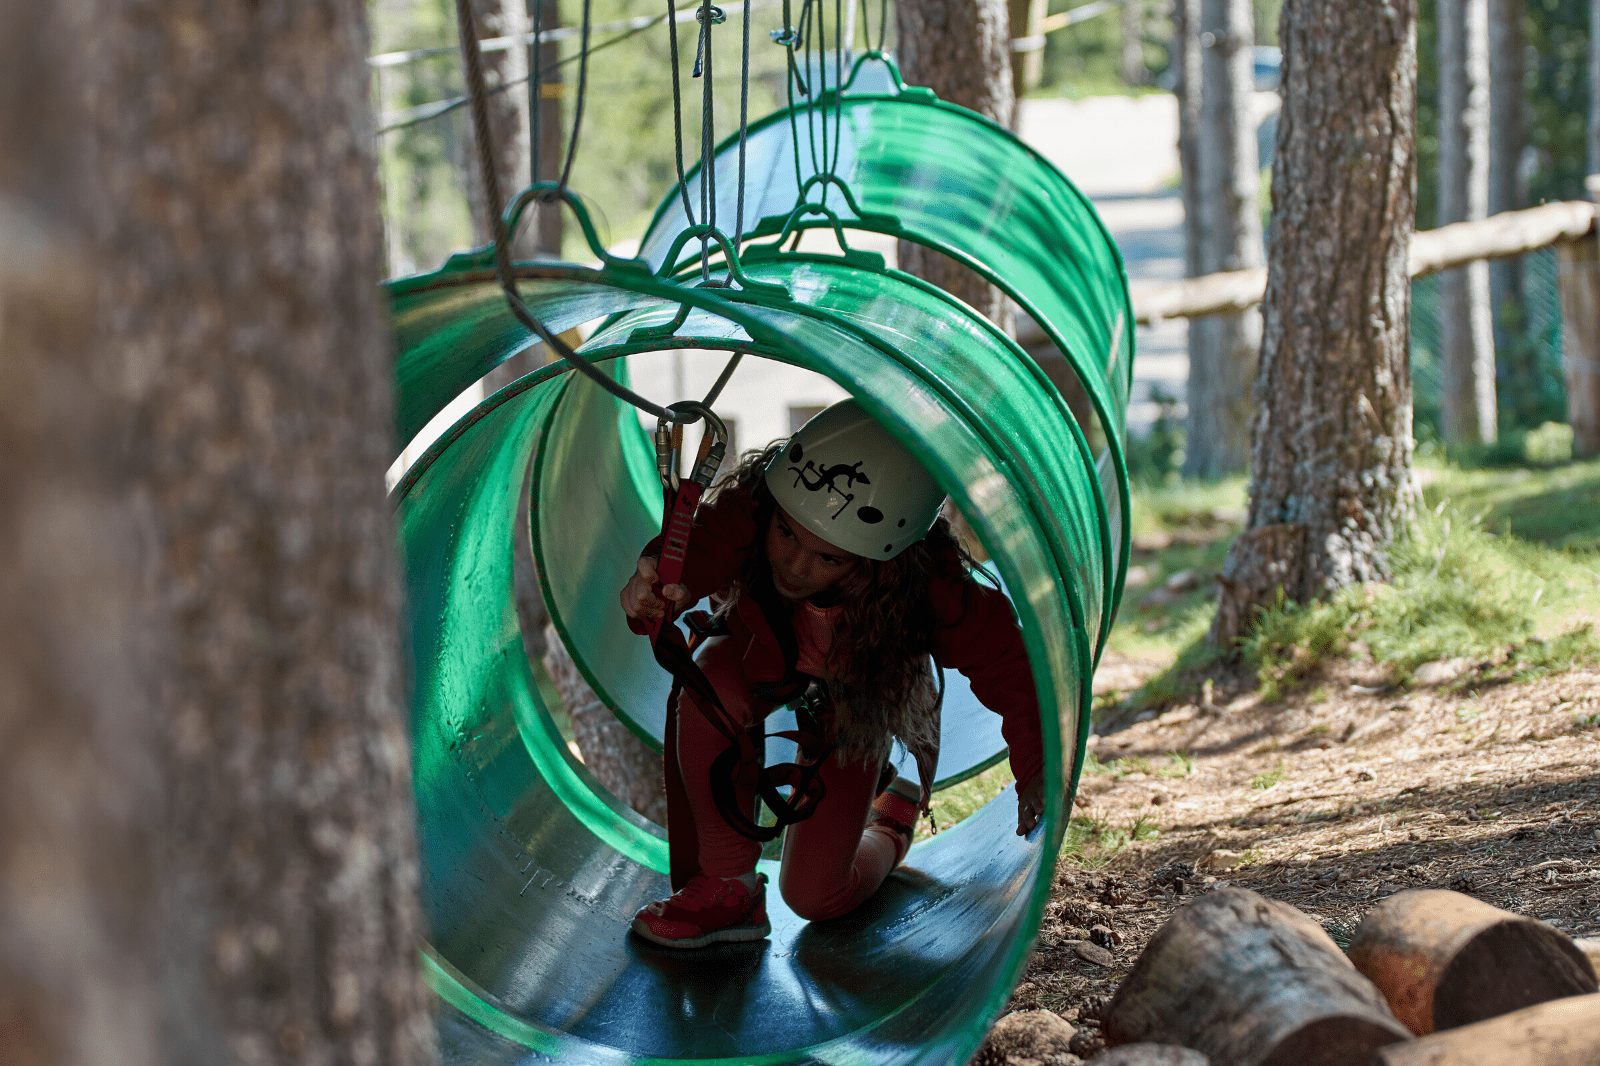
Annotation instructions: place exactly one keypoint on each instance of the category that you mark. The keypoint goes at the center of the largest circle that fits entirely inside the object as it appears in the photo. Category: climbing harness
(741, 765)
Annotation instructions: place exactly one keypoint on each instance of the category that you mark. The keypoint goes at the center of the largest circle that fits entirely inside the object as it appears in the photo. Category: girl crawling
(827, 559)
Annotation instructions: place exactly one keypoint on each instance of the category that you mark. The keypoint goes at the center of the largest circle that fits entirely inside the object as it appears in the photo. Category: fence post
(1580, 334)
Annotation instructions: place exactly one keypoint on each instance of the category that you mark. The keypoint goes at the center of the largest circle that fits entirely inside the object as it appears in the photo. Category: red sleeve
(978, 634)
(721, 541)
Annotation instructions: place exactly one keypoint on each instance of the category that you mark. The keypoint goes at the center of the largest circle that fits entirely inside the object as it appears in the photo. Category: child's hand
(639, 596)
(1030, 804)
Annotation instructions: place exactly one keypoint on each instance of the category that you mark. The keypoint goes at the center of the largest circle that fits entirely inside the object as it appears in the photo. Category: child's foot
(896, 810)
(708, 910)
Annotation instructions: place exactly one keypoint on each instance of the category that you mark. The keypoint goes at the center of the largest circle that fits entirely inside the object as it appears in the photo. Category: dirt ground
(1329, 801)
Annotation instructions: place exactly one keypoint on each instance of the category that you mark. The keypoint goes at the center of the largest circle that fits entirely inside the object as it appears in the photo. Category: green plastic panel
(530, 870)
(937, 174)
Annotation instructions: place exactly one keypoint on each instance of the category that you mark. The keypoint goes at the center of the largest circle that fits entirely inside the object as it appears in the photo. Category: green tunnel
(531, 870)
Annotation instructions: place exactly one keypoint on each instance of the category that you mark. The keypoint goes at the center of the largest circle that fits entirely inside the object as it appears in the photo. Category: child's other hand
(639, 596)
(1030, 804)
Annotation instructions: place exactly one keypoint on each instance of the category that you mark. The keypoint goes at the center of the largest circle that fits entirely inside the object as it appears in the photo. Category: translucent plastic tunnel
(530, 870)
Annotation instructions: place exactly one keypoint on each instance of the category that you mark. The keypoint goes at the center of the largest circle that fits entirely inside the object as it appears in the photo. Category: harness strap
(741, 764)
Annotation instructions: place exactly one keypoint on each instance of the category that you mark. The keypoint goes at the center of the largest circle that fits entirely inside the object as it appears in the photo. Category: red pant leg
(833, 860)
(723, 851)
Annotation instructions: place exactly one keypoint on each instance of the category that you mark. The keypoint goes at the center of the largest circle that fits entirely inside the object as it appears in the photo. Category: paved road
(1122, 152)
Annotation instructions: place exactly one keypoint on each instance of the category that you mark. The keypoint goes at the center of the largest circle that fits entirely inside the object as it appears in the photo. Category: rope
(677, 113)
(536, 90)
(472, 57)
(577, 118)
(744, 125)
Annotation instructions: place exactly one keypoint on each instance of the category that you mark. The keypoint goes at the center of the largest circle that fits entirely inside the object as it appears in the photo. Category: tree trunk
(552, 134)
(620, 761)
(1249, 981)
(1508, 136)
(1222, 364)
(1188, 60)
(1579, 263)
(1133, 70)
(1027, 61)
(238, 251)
(79, 800)
(1443, 959)
(1594, 94)
(1563, 1032)
(508, 122)
(961, 49)
(1186, 55)
(1466, 319)
(1331, 436)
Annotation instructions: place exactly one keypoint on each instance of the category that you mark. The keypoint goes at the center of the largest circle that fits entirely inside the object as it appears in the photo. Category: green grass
(1501, 567)
(1266, 780)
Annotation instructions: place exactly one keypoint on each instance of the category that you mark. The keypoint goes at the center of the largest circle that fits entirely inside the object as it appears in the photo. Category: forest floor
(1327, 802)
(1358, 781)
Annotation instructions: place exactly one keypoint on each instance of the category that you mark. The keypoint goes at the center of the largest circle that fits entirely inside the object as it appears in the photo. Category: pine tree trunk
(961, 49)
(1188, 62)
(1331, 436)
(238, 253)
(1222, 364)
(1508, 136)
(1466, 320)
(79, 800)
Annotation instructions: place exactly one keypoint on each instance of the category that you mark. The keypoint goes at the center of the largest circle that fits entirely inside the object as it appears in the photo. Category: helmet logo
(816, 479)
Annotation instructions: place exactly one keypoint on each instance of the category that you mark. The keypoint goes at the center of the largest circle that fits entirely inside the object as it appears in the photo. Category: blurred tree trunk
(552, 140)
(1187, 59)
(1466, 319)
(961, 49)
(508, 121)
(1594, 95)
(1224, 348)
(80, 805)
(208, 852)
(1508, 137)
(1331, 436)
(1133, 69)
(1027, 65)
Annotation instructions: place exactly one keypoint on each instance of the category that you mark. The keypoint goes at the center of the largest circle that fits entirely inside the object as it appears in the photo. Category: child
(827, 559)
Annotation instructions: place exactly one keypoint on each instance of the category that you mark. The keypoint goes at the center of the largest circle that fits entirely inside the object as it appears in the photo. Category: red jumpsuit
(832, 861)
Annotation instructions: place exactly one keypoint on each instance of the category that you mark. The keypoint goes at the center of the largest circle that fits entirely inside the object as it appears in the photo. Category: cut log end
(1562, 1032)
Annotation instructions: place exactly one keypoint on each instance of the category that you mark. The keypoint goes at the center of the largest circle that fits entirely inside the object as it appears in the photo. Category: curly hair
(880, 655)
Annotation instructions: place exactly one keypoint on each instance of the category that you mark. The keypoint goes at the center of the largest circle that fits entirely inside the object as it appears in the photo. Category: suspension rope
(744, 126)
(472, 58)
(577, 118)
(536, 90)
(677, 112)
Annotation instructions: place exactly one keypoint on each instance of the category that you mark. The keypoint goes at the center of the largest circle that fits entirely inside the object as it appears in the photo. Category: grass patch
(1266, 780)
(1520, 609)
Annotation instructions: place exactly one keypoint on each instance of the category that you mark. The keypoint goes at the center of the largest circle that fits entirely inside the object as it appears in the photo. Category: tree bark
(1508, 136)
(1563, 1032)
(1027, 62)
(1466, 320)
(238, 252)
(79, 799)
(1224, 348)
(1331, 436)
(547, 229)
(961, 49)
(1250, 982)
(1594, 94)
(1443, 959)
(1579, 263)
(620, 761)
(1186, 56)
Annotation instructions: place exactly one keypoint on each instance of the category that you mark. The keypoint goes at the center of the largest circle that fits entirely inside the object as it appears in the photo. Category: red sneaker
(896, 810)
(707, 910)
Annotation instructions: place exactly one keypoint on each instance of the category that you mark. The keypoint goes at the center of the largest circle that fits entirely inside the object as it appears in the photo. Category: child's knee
(812, 904)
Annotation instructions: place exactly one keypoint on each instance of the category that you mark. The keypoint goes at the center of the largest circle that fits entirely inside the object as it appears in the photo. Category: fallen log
(1148, 1055)
(1444, 959)
(1591, 951)
(1248, 981)
(1562, 1032)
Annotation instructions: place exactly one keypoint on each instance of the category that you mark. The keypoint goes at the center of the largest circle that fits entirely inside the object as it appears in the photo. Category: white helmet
(844, 477)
